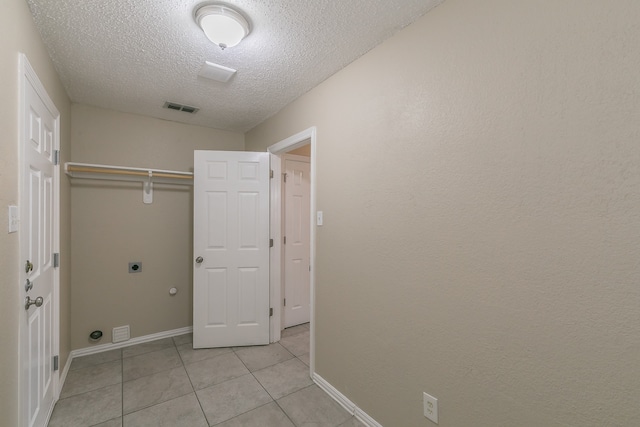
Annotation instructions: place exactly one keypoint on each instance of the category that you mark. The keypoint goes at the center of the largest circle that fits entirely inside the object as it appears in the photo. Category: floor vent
(120, 334)
(180, 107)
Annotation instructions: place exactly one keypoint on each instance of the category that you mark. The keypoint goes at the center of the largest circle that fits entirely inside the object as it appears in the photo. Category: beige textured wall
(479, 177)
(19, 35)
(111, 225)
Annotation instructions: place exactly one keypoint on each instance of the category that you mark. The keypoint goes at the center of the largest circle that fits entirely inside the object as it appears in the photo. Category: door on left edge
(38, 228)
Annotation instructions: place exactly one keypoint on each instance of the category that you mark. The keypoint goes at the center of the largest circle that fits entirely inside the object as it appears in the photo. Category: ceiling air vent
(180, 107)
(216, 72)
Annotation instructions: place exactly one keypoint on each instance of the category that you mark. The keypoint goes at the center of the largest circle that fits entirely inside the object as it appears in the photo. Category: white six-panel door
(231, 249)
(297, 188)
(39, 139)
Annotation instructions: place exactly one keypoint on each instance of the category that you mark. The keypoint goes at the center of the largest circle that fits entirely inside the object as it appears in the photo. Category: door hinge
(270, 311)
(271, 174)
(56, 157)
(55, 363)
(309, 268)
(285, 302)
(285, 240)
(56, 260)
(285, 177)
(270, 243)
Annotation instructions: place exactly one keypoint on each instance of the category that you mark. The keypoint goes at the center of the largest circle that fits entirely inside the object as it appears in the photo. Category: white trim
(343, 401)
(64, 372)
(30, 74)
(50, 411)
(133, 341)
(365, 419)
(334, 393)
(275, 259)
(295, 141)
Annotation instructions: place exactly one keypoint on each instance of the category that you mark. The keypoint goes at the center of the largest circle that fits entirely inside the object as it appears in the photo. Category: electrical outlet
(430, 407)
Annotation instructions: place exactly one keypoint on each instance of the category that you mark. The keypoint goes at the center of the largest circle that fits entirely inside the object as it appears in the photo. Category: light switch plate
(14, 219)
(319, 219)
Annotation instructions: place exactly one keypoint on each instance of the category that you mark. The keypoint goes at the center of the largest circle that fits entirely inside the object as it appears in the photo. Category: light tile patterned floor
(168, 383)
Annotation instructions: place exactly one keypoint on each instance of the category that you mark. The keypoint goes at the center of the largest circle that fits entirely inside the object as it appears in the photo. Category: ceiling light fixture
(222, 25)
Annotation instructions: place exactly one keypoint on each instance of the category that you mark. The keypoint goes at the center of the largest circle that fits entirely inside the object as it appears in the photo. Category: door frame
(29, 76)
(307, 136)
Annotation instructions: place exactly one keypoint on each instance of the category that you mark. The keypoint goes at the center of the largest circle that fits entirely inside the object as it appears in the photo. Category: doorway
(306, 138)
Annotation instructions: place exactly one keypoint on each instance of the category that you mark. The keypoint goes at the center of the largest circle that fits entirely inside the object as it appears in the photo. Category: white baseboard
(347, 404)
(133, 341)
(365, 419)
(63, 374)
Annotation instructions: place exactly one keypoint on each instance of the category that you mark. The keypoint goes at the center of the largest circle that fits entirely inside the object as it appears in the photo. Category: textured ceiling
(133, 55)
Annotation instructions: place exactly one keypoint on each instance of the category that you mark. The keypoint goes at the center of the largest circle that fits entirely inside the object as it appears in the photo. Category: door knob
(28, 302)
(28, 286)
(199, 260)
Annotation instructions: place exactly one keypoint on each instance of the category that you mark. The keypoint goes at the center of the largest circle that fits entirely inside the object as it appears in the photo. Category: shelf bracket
(147, 190)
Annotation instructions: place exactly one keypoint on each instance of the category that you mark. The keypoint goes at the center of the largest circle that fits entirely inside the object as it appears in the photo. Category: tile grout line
(144, 376)
(267, 391)
(122, 387)
(273, 400)
(195, 393)
(278, 404)
(254, 377)
(183, 364)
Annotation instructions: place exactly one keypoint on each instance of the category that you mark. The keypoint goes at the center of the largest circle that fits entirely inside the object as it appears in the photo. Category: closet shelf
(126, 173)
(146, 176)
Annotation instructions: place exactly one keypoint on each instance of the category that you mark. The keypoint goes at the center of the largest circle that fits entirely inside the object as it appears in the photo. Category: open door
(231, 249)
(38, 242)
(297, 223)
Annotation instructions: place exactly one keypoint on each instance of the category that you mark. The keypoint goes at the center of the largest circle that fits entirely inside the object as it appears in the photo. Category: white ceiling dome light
(222, 25)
